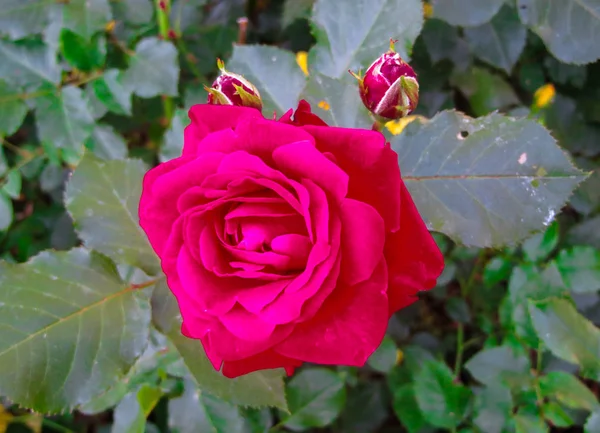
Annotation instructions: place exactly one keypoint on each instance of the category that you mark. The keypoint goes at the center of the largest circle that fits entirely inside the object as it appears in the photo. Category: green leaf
(273, 71)
(364, 35)
(568, 390)
(540, 246)
(64, 119)
(295, 9)
(83, 54)
(580, 269)
(487, 181)
(384, 358)
(407, 409)
(557, 415)
(592, 424)
(28, 63)
(262, 388)
(458, 310)
(135, 11)
(257, 420)
(485, 91)
(20, 18)
(13, 184)
(97, 108)
(441, 39)
(6, 212)
(105, 143)
(172, 145)
(315, 397)
(131, 412)
(499, 42)
(466, 13)
(442, 402)
(529, 424)
(496, 270)
(153, 69)
(565, 74)
(102, 197)
(568, 28)
(493, 408)
(86, 17)
(568, 334)
(499, 365)
(366, 408)
(12, 109)
(337, 102)
(196, 412)
(70, 329)
(112, 93)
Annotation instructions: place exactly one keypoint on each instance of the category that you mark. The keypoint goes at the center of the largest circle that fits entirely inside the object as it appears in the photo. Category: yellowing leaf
(397, 126)
(302, 60)
(544, 95)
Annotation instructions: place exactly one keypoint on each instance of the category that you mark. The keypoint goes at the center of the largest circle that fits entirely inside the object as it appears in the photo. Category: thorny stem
(162, 8)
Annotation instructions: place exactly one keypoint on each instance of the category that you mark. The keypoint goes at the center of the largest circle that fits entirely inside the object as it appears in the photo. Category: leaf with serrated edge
(70, 329)
(570, 28)
(28, 64)
(364, 35)
(261, 388)
(86, 17)
(466, 12)
(503, 180)
(102, 198)
(274, 72)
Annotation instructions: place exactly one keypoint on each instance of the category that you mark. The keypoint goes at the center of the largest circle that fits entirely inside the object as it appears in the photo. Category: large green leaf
(337, 102)
(570, 28)
(103, 198)
(64, 119)
(196, 411)
(487, 181)
(568, 334)
(86, 17)
(442, 402)
(499, 42)
(353, 35)
(70, 329)
(28, 64)
(153, 69)
(407, 409)
(315, 397)
(580, 269)
(466, 12)
(12, 109)
(497, 365)
(274, 72)
(567, 389)
(106, 143)
(493, 408)
(112, 93)
(262, 388)
(20, 18)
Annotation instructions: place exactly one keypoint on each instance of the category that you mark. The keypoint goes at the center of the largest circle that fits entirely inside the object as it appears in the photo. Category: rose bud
(389, 89)
(233, 89)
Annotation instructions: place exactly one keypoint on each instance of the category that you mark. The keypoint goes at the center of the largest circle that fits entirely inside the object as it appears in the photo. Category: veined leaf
(20, 18)
(70, 329)
(487, 181)
(12, 109)
(27, 64)
(466, 12)
(86, 17)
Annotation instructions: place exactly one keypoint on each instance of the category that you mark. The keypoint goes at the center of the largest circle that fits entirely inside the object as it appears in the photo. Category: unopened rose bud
(233, 89)
(389, 88)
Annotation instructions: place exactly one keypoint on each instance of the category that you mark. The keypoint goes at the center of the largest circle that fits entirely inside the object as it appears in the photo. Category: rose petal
(348, 327)
(245, 325)
(305, 116)
(363, 239)
(414, 259)
(266, 360)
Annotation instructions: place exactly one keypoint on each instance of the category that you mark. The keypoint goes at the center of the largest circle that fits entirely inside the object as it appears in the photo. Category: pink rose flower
(285, 241)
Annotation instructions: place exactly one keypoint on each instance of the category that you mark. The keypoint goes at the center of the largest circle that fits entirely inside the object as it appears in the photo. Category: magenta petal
(348, 327)
(245, 325)
(363, 239)
(266, 360)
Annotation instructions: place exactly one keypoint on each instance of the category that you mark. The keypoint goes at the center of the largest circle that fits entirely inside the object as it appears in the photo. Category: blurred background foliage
(486, 351)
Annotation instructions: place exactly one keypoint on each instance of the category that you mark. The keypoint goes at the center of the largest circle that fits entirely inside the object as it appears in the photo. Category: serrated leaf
(173, 139)
(407, 409)
(102, 198)
(12, 109)
(499, 42)
(70, 329)
(568, 334)
(568, 390)
(580, 269)
(28, 63)
(503, 180)
(83, 54)
(466, 13)
(262, 388)
(86, 17)
(364, 35)
(569, 28)
(112, 93)
(442, 402)
(196, 411)
(153, 69)
(105, 143)
(337, 102)
(499, 365)
(63, 118)
(20, 18)
(315, 398)
(273, 71)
